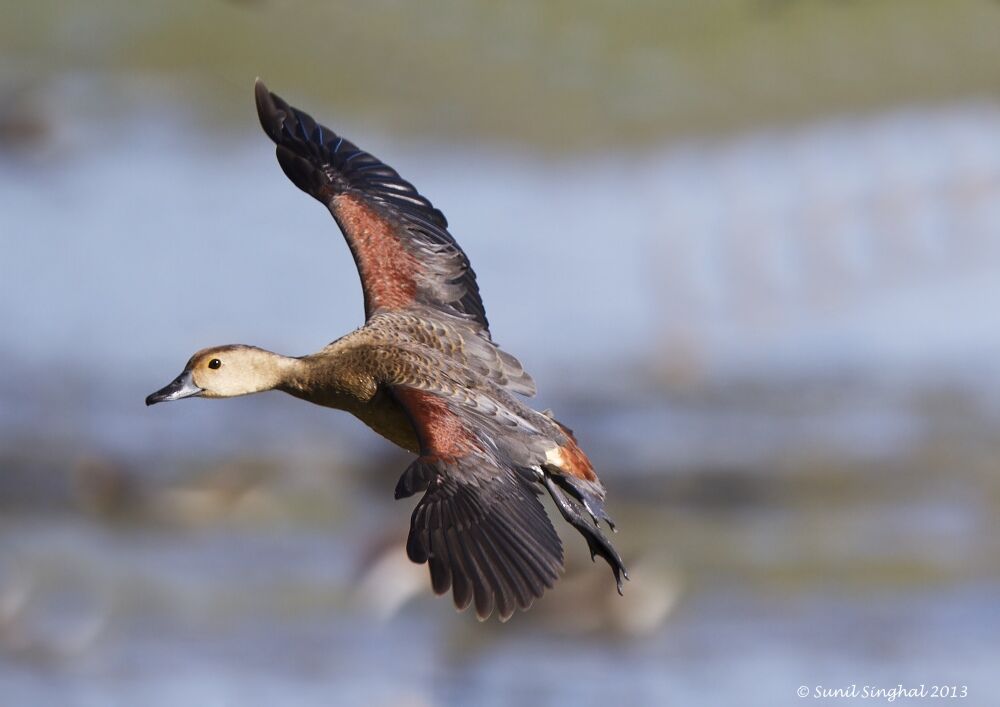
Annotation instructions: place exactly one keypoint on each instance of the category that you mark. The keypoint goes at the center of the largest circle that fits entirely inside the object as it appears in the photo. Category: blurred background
(750, 250)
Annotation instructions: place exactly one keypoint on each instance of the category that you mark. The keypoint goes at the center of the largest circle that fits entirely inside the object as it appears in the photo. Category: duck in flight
(424, 372)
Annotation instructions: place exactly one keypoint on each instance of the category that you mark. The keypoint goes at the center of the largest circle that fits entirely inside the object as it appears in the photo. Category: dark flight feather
(484, 535)
(405, 255)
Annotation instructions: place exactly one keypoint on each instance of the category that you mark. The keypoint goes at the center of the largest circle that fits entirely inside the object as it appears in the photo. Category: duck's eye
(214, 363)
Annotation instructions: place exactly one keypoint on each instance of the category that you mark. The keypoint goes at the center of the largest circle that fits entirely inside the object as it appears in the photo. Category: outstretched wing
(400, 242)
(479, 525)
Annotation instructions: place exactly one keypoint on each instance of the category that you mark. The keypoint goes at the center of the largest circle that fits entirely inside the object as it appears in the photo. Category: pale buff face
(228, 371)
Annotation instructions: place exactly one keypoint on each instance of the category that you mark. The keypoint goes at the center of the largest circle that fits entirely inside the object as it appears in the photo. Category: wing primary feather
(461, 583)
(484, 535)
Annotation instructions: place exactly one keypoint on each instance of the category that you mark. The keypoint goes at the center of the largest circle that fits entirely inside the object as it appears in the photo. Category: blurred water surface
(778, 345)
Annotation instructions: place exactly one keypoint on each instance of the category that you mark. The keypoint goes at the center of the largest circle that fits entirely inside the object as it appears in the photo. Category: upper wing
(479, 525)
(400, 242)
(457, 341)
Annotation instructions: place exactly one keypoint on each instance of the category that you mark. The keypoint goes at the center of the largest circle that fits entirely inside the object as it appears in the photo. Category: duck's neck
(283, 371)
(324, 380)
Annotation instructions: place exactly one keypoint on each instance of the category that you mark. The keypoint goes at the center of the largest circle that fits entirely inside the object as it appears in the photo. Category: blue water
(151, 618)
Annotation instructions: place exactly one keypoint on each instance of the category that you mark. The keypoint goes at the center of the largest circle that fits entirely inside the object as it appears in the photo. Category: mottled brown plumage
(425, 373)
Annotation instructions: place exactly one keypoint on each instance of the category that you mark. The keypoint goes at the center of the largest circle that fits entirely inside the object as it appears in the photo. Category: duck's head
(223, 372)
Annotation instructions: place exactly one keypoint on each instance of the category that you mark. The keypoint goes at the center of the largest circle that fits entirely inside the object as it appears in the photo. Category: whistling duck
(425, 373)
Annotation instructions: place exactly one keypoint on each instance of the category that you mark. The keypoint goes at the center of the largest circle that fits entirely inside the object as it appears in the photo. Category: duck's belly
(384, 415)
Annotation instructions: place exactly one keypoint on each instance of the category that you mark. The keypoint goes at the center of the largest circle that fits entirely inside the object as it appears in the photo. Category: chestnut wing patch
(404, 253)
(441, 432)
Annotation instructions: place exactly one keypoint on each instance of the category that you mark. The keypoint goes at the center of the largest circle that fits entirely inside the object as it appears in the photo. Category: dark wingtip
(271, 116)
(262, 96)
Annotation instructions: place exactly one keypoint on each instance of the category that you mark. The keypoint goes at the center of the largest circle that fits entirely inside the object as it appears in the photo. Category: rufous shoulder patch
(571, 460)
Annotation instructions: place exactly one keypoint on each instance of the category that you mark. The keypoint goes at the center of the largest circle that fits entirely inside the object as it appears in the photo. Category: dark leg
(578, 490)
(573, 511)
